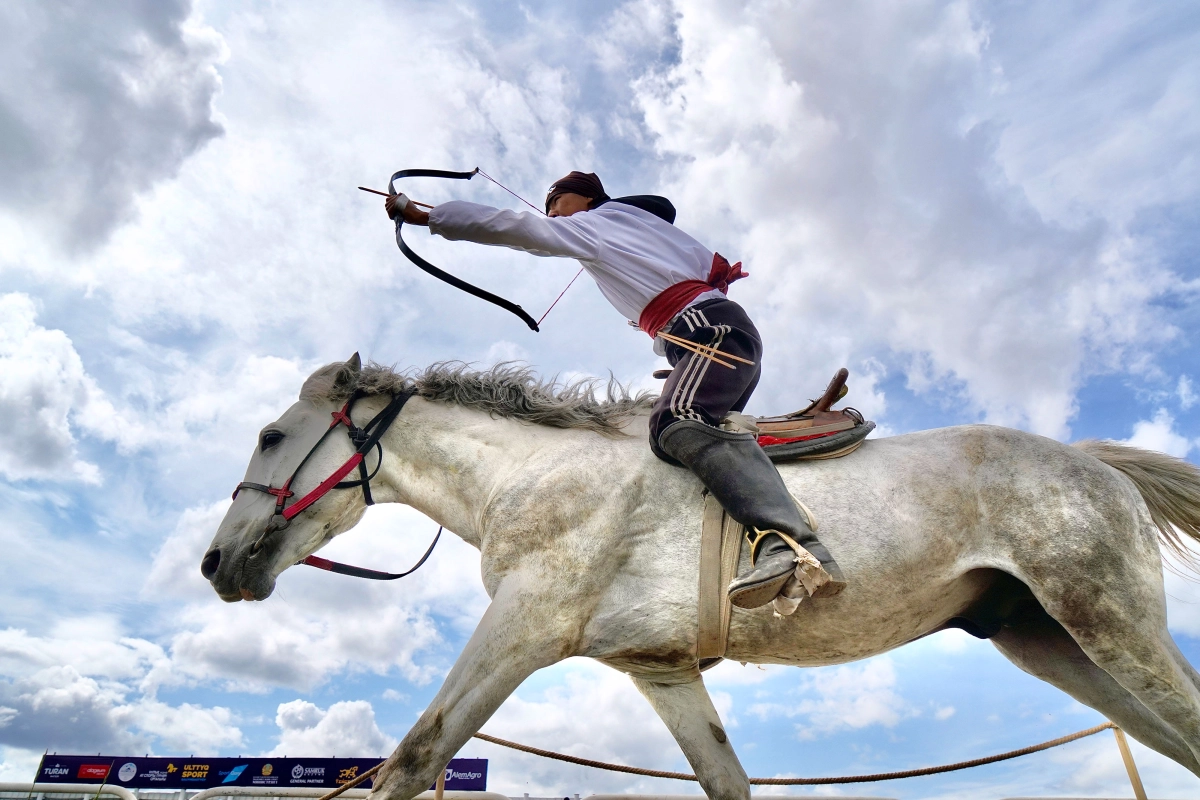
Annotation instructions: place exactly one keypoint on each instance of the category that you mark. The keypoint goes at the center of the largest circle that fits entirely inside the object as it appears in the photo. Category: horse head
(263, 532)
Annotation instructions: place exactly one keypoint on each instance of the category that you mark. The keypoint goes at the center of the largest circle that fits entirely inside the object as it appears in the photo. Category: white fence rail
(87, 789)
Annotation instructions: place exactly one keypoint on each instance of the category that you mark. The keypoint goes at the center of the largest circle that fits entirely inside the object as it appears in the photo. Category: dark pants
(699, 389)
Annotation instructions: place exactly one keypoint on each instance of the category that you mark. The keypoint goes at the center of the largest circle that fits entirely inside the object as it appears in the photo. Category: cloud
(19, 765)
(1159, 434)
(60, 709)
(42, 383)
(867, 174)
(97, 109)
(344, 729)
(84, 686)
(848, 697)
(1187, 394)
(580, 708)
(313, 628)
(1094, 767)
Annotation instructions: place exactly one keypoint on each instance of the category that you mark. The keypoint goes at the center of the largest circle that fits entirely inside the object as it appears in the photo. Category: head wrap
(585, 184)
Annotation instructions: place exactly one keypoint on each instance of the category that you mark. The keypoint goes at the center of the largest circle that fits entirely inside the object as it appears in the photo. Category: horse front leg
(511, 643)
(688, 712)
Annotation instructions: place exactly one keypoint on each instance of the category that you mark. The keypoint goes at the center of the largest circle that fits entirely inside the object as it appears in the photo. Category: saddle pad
(819, 446)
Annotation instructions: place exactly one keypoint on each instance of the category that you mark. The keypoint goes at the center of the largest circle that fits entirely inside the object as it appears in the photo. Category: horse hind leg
(1040, 646)
(1110, 599)
(688, 713)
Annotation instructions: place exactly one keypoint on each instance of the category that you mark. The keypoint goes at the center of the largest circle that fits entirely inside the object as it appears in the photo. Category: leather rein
(365, 439)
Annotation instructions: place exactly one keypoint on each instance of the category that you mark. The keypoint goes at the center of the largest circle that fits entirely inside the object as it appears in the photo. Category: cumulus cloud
(19, 765)
(84, 686)
(1094, 767)
(848, 697)
(583, 709)
(909, 185)
(1187, 393)
(312, 628)
(844, 192)
(42, 382)
(60, 708)
(346, 728)
(1159, 434)
(97, 108)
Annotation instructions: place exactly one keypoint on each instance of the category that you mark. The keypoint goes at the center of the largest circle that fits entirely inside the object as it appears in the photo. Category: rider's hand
(398, 205)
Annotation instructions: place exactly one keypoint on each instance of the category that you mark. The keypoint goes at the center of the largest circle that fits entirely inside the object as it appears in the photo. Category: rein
(365, 439)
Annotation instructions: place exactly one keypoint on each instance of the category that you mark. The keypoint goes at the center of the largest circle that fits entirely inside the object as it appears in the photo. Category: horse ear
(347, 374)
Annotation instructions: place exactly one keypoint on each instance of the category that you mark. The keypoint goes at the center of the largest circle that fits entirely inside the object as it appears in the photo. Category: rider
(663, 280)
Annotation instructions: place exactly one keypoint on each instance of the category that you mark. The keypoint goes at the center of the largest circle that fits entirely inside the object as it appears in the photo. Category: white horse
(590, 547)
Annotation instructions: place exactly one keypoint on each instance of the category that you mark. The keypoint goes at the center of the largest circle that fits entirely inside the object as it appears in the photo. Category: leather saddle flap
(806, 425)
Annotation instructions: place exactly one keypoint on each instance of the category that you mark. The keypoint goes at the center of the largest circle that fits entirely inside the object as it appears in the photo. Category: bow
(442, 275)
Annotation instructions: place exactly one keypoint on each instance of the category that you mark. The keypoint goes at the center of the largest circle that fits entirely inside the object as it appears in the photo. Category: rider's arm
(533, 233)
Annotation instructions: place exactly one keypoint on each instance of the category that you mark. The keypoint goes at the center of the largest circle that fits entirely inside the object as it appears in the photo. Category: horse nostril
(212, 560)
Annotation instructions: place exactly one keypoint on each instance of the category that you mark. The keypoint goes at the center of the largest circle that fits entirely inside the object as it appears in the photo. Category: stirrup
(809, 572)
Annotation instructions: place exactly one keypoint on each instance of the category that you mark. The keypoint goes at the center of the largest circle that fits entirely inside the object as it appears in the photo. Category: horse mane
(509, 389)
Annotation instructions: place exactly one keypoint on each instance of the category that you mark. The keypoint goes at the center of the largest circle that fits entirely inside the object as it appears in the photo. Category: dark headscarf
(585, 184)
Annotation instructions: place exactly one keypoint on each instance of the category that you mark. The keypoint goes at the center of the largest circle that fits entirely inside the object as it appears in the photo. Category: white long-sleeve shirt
(632, 254)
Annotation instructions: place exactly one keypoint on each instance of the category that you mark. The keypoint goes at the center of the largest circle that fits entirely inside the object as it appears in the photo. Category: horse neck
(448, 462)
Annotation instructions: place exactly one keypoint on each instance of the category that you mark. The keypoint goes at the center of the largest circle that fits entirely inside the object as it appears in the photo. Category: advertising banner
(192, 772)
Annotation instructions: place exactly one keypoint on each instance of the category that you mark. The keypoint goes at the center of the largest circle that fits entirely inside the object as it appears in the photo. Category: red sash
(670, 301)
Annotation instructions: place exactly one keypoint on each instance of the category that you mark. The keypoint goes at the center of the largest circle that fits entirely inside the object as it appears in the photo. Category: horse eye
(270, 439)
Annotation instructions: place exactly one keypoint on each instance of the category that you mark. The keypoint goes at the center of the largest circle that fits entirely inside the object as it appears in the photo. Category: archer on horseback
(674, 289)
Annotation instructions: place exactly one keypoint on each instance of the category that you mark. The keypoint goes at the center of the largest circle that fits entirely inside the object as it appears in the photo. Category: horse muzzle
(246, 578)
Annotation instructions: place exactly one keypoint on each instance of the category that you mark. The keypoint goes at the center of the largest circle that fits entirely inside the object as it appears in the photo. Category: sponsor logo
(93, 771)
(347, 775)
(56, 771)
(171, 768)
(452, 775)
(266, 779)
(303, 774)
(194, 772)
(127, 771)
(235, 773)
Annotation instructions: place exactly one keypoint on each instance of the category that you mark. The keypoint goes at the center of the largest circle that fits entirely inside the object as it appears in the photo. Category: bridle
(365, 439)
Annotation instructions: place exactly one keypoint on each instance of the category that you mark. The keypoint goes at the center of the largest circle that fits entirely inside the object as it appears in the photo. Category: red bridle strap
(323, 488)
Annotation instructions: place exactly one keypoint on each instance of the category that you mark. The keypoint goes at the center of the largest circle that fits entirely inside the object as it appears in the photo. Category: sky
(988, 211)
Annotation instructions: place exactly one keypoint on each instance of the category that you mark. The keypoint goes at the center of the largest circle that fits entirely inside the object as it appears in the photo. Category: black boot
(738, 473)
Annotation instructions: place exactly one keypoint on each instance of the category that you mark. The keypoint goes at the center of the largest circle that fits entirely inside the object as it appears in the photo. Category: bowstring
(546, 313)
(510, 191)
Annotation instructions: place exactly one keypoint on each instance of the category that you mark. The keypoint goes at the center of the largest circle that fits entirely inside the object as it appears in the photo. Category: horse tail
(1169, 486)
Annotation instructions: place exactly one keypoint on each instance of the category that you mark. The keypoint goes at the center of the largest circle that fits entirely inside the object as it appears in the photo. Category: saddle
(814, 432)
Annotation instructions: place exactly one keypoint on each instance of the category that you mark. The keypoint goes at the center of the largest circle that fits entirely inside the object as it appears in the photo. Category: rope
(351, 784)
(879, 776)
